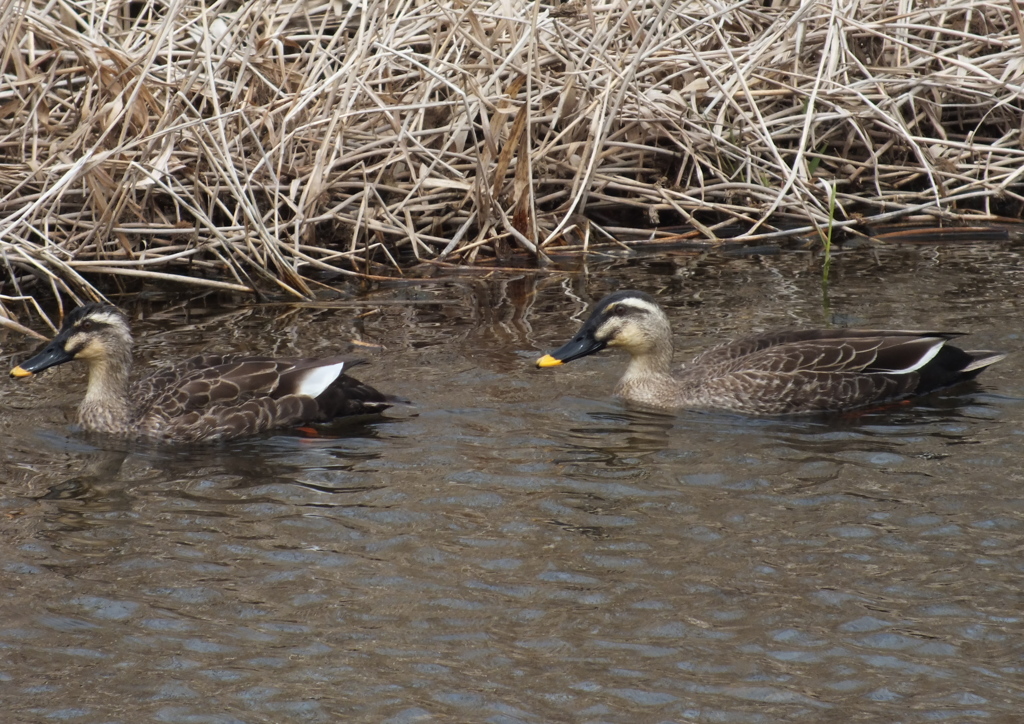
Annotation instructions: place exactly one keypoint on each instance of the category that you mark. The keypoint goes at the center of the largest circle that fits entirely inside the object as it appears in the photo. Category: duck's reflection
(82, 481)
(618, 438)
(625, 436)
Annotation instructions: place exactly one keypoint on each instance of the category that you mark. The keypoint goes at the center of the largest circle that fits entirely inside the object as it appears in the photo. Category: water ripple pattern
(518, 546)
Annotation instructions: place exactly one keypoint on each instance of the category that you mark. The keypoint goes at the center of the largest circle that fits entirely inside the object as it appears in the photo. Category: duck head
(92, 332)
(628, 319)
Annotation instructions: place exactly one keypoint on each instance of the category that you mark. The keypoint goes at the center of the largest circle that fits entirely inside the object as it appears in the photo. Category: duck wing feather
(815, 340)
(824, 370)
(225, 422)
(767, 393)
(215, 397)
(166, 377)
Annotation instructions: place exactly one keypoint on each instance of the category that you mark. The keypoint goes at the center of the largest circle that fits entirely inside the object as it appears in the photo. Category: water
(520, 547)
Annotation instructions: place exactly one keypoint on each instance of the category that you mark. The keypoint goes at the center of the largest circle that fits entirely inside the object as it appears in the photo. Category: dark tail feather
(953, 365)
(349, 396)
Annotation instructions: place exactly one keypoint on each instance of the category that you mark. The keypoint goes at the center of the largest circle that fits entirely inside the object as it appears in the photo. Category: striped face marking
(110, 318)
(92, 332)
(627, 319)
(83, 346)
(84, 342)
(620, 326)
(631, 304)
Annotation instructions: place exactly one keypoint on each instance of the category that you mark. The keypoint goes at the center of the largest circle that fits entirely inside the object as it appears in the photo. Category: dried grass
(252, 145)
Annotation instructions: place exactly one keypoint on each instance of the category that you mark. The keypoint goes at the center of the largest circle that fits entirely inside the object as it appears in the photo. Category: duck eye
(86, 326)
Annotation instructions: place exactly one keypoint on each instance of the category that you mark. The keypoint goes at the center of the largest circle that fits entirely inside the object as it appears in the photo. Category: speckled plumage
(205, 398)
(780, 373)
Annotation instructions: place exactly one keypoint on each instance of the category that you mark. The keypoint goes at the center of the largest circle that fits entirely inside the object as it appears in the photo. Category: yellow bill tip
(20, 371)
(548, 361)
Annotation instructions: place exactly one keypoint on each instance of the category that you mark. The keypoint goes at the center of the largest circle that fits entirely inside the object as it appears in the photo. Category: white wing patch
(922, 360)
(318, 379)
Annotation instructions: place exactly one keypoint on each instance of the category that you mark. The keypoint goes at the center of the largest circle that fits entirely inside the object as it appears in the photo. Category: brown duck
(776, 373)
(206, 398)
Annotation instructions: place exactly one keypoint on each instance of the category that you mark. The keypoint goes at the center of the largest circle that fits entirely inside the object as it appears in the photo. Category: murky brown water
(520, 547)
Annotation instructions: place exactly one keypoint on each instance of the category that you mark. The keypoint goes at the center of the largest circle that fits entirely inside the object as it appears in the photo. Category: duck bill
(581, 346)
(54, 354)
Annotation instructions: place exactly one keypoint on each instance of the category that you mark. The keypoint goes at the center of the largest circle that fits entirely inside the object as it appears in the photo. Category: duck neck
(107, 405)
(653, 363)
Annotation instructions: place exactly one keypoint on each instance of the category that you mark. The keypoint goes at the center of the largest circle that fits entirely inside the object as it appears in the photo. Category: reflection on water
(518, 546)
(619, 438)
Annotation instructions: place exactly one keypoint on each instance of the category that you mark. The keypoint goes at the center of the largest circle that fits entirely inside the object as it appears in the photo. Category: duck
(779, 373)
(208, 398)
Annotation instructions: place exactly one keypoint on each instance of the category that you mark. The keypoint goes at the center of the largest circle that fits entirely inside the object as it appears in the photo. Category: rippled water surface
(518, 546)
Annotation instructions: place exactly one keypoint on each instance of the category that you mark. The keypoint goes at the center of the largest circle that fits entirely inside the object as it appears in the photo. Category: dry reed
(253, 145)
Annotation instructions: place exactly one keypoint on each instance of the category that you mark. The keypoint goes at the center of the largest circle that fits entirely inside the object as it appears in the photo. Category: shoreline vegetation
(275, 147)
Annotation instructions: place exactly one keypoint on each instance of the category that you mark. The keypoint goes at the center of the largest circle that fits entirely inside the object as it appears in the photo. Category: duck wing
(822, 370)
(814, 339)
(167, 376)
(219, 397)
